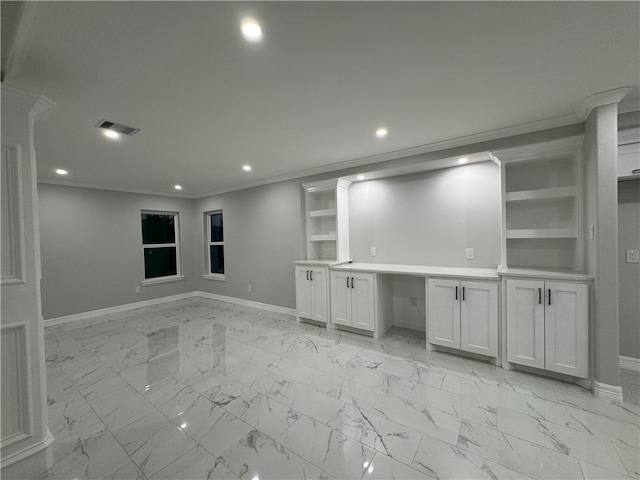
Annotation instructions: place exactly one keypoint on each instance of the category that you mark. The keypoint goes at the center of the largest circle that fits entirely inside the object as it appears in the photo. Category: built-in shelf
(330, 212)
(543, 233)
(331, 237)
(542, 207)
(540, 194)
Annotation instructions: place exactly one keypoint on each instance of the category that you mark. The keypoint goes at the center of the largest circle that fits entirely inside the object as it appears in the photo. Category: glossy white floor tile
(200, 389)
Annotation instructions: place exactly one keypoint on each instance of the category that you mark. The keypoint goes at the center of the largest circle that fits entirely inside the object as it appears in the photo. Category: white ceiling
(312, 93)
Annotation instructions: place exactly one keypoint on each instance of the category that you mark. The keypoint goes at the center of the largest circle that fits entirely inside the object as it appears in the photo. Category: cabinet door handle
(549, 296)
(348, 281)
(456, 293)
(307, 274)
(311, 275)
(463, 294)
(351, 282)
(539, 296)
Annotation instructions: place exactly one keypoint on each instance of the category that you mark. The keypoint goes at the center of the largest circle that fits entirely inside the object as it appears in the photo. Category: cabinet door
(341, 298)
(443, 312)
(525, 322)
(479, 318)
(318, 284)
(363, 301)
(567, 328)
(303, 293)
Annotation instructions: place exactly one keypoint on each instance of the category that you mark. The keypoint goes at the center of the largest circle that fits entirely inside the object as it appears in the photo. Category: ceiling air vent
(117, 127)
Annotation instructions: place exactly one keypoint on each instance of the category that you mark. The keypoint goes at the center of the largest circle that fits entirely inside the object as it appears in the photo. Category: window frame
(208, 244)
(176, 245)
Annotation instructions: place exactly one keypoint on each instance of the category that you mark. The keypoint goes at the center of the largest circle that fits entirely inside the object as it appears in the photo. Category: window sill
(214, 276)
(173, 278)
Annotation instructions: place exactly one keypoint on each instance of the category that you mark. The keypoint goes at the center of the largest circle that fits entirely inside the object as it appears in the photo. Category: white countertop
(420, 270)
(547, 274)
(322, 263)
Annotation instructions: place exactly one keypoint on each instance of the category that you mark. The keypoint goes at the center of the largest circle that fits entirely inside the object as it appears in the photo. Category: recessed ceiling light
(178, 187)
(60, 171)
(111, 134)
(251, 30)
(463, 160)
(381, 132)
(360, 177)
(246, 168)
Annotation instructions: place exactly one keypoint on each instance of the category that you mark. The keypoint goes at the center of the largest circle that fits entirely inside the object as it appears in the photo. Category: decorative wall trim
(611, 393)
(248, 303)
(600, 99)
(630, 363)
(14, 272)
(78, 317)
(15, 372)
(28, 452)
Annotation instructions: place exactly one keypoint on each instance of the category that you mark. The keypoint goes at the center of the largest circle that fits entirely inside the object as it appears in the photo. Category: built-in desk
(420, 270)
(457, 308)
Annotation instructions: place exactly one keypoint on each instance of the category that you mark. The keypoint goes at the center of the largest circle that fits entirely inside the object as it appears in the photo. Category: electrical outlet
(469, 253)
(633, 256)
(414, 301)
(137, 289)
(249, 288)
(374, 252)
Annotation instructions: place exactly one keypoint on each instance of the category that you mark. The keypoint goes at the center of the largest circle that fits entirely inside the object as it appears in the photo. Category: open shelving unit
(541, 209)
(326, 219)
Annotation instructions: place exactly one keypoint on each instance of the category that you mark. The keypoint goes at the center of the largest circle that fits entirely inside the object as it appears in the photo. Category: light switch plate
(633, 256)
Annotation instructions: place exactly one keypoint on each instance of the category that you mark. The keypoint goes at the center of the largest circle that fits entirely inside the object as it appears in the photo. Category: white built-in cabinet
(547, 325)
(312, 287)
(353, 300)
(463, 314)
(629, 154)
(542, 210)
(327, 219)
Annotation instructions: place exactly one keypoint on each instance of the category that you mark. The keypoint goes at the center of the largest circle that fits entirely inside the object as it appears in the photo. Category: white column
(26, 440)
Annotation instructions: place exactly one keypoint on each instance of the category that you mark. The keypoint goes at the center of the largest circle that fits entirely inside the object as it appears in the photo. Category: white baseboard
(31, 462)
(630, 363)
(78, 317)
(611, 393)
(248, 303)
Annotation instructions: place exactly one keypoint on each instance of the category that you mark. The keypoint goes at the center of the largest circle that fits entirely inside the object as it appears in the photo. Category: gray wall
(428, 218)
(91, 247)
(262, 235)
(629, 273)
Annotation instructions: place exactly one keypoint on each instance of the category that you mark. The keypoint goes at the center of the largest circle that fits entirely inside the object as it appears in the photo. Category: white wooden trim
(604, 391)
(22, 365)
(248, 303)
(176, 244)
(78, 317)
(600, 99)
(153, 281)
(630, 363)
(214, 276)
(27, 452)
(13, 172)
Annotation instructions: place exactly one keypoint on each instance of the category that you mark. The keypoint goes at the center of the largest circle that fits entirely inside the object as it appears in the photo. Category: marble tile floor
(200, 389)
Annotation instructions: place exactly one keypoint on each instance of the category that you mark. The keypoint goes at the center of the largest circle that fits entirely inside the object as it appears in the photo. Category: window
(160, 235)
(215, 245)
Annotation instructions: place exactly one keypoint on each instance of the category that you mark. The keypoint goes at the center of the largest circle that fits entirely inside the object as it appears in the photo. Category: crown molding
(600, 99)
(23, 101)
(20, 42)
(94, 186)
(468, 140)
